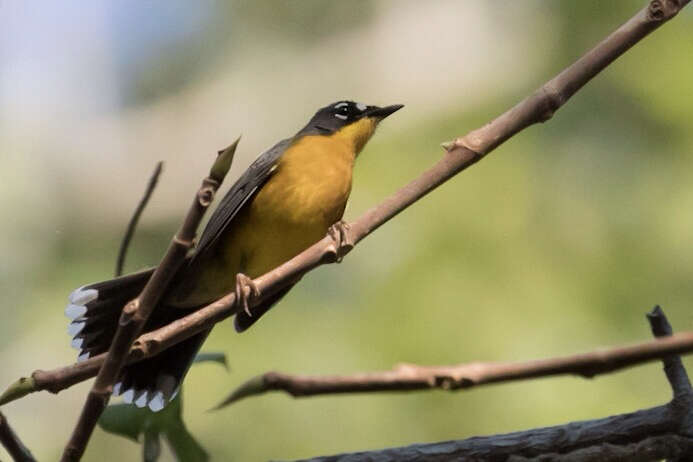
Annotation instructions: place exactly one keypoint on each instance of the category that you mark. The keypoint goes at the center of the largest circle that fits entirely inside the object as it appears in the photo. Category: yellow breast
(305, 196)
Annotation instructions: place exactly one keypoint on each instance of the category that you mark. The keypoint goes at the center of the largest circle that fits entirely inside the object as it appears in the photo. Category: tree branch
(136, 312)
(12, 443)
(412, 377)
(405, 377)
(673, 367)
(460, 154)
(136, 216)
(651, 434)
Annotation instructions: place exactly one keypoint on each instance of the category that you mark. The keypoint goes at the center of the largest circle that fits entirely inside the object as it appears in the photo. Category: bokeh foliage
(558, 242)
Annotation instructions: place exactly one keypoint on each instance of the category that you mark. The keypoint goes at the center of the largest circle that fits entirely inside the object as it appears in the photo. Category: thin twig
(460, 154)
(135, 218)
(136, 312)
(12, 443)
(412, 377)
(663, 432)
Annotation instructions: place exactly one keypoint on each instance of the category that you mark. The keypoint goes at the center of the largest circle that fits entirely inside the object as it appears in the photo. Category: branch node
(205, 196)
(448, 145)
(188, 244)
(145, 347)
(473, 144)
(663, 10)
(130, 310)
(551, 101)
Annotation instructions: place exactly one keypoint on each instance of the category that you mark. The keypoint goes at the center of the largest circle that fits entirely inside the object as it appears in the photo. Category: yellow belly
(293, 210)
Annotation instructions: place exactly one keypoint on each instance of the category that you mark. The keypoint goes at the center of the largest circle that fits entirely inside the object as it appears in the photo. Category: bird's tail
(94, 311)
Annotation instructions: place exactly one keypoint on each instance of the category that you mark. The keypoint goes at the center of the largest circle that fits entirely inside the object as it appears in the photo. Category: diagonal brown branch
(663, 432)
(136, 312)
(460, 154)
(136, 217)
(11, 442)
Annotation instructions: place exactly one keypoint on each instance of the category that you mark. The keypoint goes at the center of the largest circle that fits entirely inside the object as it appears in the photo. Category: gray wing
(240, 193)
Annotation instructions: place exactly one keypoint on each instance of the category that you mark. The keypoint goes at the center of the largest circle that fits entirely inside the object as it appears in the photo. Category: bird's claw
(243, 298)
(339, 232)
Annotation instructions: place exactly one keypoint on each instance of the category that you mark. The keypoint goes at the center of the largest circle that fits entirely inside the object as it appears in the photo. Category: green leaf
(151, 448)
(125, 420)
(131, 422)
(255, 386)
(216, 357)
(184, 445)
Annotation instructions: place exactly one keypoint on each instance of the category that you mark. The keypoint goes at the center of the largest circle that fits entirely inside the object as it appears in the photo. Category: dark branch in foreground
(663, 432)
(12, 443)
(411, 377)
(136, 217)
(136, 312)
(460, 154)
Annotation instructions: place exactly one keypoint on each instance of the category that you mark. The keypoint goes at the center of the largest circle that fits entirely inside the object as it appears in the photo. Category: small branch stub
(18, 389)
(673, 366)
(206, 194)
(222, 164)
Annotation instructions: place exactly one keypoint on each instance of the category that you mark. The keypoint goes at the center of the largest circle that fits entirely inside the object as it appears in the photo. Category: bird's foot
(242, 298)
(339, 232)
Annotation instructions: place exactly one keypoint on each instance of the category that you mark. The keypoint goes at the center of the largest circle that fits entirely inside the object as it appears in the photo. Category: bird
(290, 197)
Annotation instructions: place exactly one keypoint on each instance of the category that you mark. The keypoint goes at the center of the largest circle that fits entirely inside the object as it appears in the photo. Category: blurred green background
(557, 243)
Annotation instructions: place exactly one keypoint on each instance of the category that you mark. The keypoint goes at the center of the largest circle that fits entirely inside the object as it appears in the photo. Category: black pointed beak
(382, 112)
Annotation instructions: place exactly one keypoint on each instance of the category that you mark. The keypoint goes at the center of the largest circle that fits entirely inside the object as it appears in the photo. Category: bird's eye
(342, 113)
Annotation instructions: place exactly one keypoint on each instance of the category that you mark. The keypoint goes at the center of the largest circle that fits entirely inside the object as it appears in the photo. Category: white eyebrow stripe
(338, 105)
(361, 106)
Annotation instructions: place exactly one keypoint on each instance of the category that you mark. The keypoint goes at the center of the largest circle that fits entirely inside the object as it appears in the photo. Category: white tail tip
(75, 311)
(75, 328)
(128, 396)
(83, 296)
(158, 402)
(141, 400)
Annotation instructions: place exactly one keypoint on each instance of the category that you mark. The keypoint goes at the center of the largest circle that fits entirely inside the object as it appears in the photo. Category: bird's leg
(243, 282)
(339, 232)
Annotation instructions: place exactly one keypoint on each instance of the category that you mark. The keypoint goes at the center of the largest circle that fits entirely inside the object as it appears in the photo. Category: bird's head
(348, 119)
